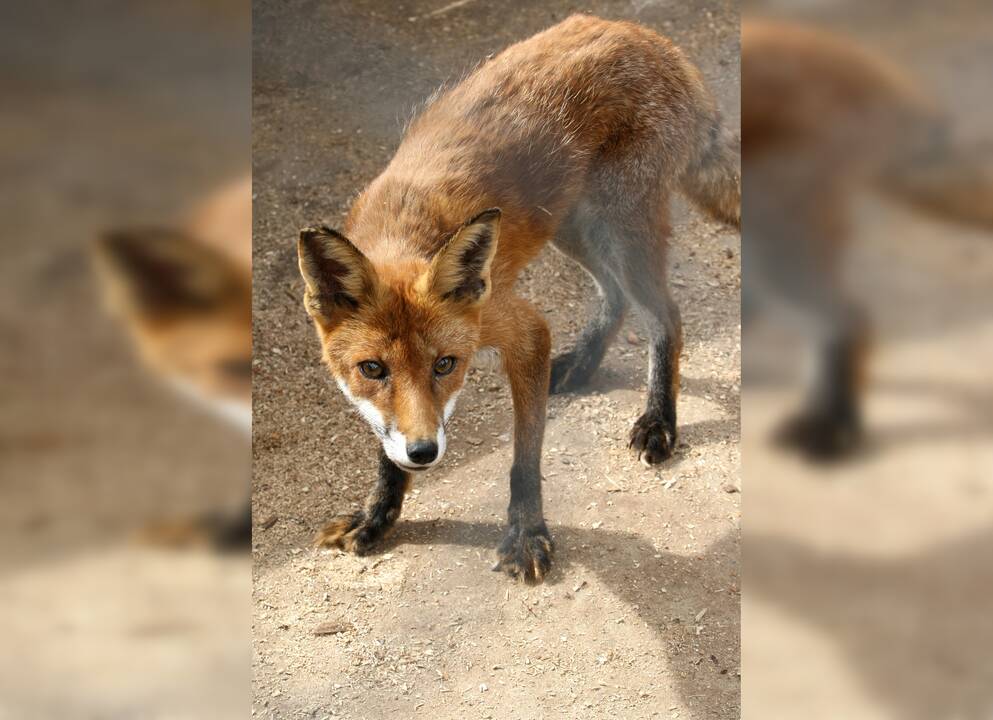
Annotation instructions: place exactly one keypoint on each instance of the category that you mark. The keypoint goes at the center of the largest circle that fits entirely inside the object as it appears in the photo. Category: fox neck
(401, 220)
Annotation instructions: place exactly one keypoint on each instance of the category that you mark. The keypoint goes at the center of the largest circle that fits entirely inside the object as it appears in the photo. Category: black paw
(820, 436)
(568, 373)
(219, 531)
(526, 554)
(230, 532)
(351, 533)
(654, 438)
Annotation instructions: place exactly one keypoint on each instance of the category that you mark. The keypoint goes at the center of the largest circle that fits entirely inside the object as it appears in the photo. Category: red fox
(577, 136)
(185, 296)
(821, 119)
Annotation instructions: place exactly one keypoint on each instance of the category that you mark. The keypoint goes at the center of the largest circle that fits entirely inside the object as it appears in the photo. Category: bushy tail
(947, 182)
(712, 180)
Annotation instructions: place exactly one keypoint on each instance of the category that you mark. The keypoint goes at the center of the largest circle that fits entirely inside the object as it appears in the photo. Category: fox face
(398, 340)
(188, 307)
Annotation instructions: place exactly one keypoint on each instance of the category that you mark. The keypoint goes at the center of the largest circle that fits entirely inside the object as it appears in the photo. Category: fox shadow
(667, 591)
(916, 631)
(973, 405)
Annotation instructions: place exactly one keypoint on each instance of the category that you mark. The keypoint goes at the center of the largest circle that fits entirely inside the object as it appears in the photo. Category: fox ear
(461, 269)
(155, 274)
(338, 276)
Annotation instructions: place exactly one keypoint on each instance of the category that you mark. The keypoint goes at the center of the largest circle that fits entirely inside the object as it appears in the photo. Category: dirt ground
(640, 615)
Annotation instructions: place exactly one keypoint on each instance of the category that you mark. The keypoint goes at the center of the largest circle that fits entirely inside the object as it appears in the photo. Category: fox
(184, 296)
(577, 136)
(822, 119)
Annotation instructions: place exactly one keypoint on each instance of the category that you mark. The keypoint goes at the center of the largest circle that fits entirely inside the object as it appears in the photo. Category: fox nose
(422, 452)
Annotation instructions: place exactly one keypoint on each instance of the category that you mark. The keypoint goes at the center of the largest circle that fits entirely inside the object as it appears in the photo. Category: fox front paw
(654, 439)
(218, 531)
(526, 554)
(351, 533)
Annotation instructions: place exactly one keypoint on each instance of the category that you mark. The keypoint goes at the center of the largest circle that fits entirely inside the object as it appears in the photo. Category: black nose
(422, 451)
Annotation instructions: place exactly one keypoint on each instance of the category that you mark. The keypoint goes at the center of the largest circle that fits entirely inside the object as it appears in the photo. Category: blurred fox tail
(712, 180)
(946, 181)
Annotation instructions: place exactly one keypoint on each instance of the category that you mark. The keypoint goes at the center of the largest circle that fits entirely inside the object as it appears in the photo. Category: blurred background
(868, 341)
(115, 114)
(867, 571)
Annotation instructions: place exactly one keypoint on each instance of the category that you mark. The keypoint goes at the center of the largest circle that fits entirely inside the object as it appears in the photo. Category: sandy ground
(866, 585)
(117, 117)
(640, 616)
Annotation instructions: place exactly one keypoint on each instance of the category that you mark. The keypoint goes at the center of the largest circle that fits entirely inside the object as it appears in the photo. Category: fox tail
(712, 179)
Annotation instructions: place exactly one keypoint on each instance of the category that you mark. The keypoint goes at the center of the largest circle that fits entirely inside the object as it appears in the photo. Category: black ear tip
(309, 233)
(106, 247)
(117, 238)
(488, 215)
(124, 244)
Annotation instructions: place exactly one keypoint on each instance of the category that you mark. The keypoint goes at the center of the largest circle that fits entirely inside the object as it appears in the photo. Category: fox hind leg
(792, 272)
(654, 434)
(637, 249)
(573, 369)
(829, 424)
(361, 531)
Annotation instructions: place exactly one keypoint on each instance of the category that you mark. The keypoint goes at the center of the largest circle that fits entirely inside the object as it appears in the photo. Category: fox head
(398, 337)
(188, 308)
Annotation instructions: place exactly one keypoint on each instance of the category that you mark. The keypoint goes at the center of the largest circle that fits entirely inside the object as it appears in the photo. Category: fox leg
(829, 425)
(223, 531)
(573, 369)
(360, 531)
(641, 248)
(654, 433)
(231, 531)
(525, 345)
(793, 264)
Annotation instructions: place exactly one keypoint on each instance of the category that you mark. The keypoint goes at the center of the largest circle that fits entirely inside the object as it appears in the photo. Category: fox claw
(526, 555)
(350, 533)
(653, 438)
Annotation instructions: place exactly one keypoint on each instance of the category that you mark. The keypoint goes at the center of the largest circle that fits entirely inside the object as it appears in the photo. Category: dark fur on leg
(231, 532)
(361, 531)
(579, 238)
(573, 370)
(831, 435)
(654, 433)
(526, 550)
(222, 531)
(830, 428)
(526, 554)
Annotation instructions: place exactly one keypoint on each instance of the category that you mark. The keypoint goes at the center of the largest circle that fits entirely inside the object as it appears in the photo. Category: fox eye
(372, 369)
(444, 366)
